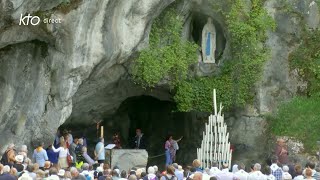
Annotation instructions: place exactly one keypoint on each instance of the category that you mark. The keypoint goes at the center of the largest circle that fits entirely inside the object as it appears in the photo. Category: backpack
(4, 159)
(87, 177)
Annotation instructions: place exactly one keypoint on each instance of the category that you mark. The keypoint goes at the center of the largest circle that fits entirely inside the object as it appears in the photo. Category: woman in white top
(63, 153)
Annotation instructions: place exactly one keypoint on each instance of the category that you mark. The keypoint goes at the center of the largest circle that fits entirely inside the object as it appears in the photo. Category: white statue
(208, 43)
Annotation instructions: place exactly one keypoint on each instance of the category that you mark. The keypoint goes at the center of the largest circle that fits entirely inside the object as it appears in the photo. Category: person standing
(140, 141)
(242, 174)
(174, 148)
(99, 151)
(6, 174)
(8, 158)
(52, 156)
(276, 171)
(116, 140)
(18, 165)
(63, 153)
(257, 174)
(85, 155)
(40, 155)
(167, 147)
(57, 139)
(72, 150)
(282, 151)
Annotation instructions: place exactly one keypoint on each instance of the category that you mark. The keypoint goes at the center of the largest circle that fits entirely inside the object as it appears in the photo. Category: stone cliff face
(49, 68)
(78, 69)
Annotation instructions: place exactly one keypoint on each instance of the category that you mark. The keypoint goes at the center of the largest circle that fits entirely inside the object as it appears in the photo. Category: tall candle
(101, 131)
(215, 101)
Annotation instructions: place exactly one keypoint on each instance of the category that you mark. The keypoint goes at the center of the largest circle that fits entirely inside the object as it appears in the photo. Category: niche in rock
(156, 120)
(198, 22)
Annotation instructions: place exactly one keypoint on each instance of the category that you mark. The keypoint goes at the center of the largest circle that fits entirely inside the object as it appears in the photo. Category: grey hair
(10, 146)
(132, 177)
(85, 166)
(80, 141)
(24, 148)
(73, 170)
(257, 167)
(241, 166)
(285, 168)
(6, 169)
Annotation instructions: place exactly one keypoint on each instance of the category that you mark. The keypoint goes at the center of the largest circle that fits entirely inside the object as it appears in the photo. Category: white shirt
(286, 175)
(53, 177)
(205, 176)
(241, 174)
(300, 177)
(62, 151)
(225, 175)
(270, 177)
(214, 171)
(257, 175)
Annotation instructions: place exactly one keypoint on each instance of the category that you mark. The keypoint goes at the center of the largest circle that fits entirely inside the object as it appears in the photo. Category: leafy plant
(306, 59)
(168, 56)
(298, 118)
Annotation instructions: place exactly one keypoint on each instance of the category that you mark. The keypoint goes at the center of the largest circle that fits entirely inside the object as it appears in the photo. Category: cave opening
(198, 22)
(157, 120)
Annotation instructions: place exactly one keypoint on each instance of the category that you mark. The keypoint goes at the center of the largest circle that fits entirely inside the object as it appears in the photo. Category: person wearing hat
(61, 173)
(18, 165)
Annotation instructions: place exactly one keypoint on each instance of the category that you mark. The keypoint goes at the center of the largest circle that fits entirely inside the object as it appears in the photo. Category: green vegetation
(234, 84)
(168, 57)
(298, 118)
(306, 59)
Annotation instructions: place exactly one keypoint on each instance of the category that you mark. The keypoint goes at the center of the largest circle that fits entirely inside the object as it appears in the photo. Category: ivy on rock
(168, 56)
(247, 30)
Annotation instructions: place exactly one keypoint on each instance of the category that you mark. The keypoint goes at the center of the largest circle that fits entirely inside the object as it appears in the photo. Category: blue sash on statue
(208, 48)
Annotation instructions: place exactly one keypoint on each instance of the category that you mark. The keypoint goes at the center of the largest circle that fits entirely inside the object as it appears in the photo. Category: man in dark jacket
(140, 141)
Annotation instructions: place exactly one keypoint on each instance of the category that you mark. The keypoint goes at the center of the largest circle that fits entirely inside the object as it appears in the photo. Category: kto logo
(33, 20)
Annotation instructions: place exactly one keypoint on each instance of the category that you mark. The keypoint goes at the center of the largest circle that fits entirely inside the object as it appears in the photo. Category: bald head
(281, 142)
(197, 176)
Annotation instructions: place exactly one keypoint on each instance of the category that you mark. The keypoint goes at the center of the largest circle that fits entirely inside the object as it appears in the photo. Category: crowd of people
(22, 168)
(68, 159)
